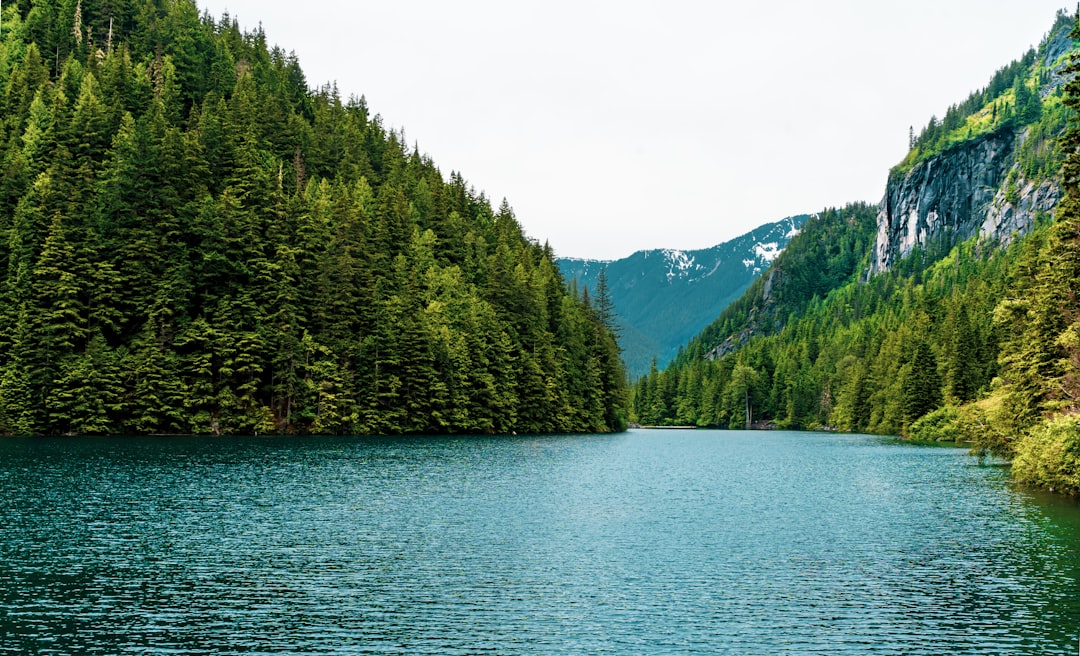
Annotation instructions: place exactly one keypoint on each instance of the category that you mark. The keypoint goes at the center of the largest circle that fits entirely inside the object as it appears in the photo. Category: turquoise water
(651, 542)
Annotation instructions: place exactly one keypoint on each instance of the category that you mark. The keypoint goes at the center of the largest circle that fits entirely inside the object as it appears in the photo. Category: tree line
(194, 241)
(1012, 99)
(970, 342)
(868, 356)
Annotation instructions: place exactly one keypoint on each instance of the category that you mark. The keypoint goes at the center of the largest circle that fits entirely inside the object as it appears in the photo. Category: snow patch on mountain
(763, 255)
(767, 252)
(680, 264)
(793, 231)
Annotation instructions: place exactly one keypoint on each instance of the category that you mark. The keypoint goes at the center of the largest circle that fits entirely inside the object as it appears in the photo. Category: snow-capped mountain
(664, 297)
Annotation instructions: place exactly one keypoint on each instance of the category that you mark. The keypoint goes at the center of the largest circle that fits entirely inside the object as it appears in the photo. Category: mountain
(662, 298)
(947, 312)
(989, 169)
(192, 240)
(828, 253)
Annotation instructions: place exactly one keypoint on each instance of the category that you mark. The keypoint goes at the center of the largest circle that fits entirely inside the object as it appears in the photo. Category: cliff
(945, 196)
(974, 189)
(992, 184)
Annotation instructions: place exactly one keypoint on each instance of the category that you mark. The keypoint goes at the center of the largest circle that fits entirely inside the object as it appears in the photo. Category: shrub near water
(951, 424)
(1049, 456)
(941, 425)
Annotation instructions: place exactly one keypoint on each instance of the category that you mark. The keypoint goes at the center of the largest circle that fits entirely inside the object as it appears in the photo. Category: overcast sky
(616, 126)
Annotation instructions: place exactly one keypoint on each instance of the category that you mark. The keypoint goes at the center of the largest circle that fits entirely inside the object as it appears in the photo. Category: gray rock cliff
(976, 188)
(1016, 207)
(946, 197)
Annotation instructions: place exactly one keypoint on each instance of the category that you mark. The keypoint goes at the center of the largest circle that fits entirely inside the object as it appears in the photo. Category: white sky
(616, 126)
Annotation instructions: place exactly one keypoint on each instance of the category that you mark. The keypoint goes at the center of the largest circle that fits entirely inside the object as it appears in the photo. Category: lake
(648, 542)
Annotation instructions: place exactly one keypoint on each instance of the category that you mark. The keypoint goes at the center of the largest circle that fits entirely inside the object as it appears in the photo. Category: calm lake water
(650, 542)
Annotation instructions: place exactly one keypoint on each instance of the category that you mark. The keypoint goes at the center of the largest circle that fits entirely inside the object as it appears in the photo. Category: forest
(974, 342)
(192, 240)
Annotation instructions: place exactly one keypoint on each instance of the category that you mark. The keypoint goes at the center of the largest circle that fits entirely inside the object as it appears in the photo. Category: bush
(1049, 455)
(951, 424)
(941, 425)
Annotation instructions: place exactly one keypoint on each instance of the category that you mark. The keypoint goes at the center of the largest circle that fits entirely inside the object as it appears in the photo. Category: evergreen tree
(920, 384)
(191, 240)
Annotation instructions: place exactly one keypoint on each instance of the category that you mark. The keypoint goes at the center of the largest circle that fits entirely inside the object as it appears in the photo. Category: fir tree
(191, 240)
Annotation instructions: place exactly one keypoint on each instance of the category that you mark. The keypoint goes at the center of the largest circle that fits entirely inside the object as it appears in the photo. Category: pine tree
(745, 381)
(962, 364)
(920, 384)
(1036, 362)
(227, 251)
(1057, 291)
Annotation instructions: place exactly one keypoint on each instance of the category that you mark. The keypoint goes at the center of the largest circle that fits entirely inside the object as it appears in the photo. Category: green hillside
(970, 339)
(192, 240)
(662, 298)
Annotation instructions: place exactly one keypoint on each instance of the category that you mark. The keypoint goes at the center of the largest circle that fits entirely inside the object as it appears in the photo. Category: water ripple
(651, 542)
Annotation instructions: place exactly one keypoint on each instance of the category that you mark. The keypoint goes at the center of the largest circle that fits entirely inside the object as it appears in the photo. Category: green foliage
(1040, 391)
(1049, 456)
(962, 425)
(920, 384)
(826, 254)
(872, 356)
(1012, 100)
(192, 241)
(956, 343)
(1040, 316)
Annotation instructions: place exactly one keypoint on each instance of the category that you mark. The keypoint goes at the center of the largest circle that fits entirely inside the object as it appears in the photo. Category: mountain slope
(665, 297)
(986, 172)
(989, 168)
(193, 241)
(966, 324)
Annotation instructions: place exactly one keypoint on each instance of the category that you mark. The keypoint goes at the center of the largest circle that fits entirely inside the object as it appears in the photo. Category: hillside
(192, 240)
(959, 320)
(662, 298)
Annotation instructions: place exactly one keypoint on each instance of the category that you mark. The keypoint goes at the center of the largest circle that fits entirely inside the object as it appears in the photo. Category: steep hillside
(662, 298)
(988, 169)
(965, 323)
(829, 252)
(193, 241)
(986, 172)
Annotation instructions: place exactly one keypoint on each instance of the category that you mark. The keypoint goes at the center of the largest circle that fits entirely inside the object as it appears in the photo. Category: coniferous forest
(192, 240)
(975, 341)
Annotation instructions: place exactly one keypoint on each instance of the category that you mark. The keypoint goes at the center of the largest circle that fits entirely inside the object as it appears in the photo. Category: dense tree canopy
(968, 342)
(192, 240)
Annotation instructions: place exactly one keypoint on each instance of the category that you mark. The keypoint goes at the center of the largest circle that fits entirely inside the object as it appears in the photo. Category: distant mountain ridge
(663, 297)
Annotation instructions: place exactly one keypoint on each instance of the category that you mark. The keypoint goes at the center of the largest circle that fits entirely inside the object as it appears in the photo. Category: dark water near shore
(650, 542)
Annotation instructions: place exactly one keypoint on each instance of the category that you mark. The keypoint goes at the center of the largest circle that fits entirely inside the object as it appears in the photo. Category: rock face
(973, 189)
(1057, 47)
(1012, 213)
(948, 196)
